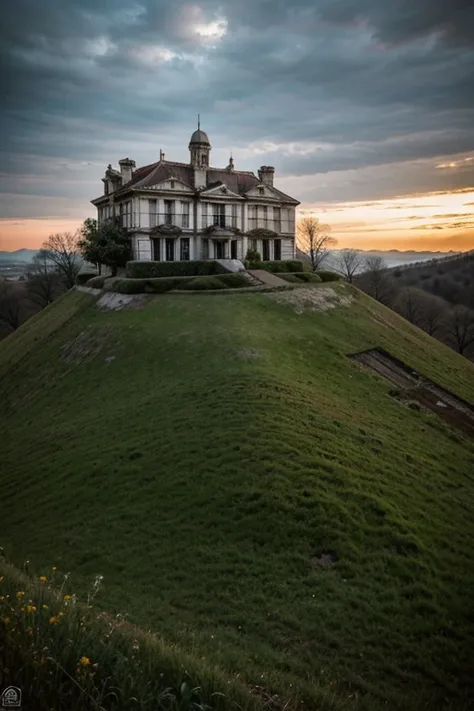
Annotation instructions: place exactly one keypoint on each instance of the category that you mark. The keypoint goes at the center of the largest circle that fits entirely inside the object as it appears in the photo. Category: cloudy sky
(364, 107)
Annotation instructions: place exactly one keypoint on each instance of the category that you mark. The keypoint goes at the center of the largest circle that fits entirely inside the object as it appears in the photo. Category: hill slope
(200, 453)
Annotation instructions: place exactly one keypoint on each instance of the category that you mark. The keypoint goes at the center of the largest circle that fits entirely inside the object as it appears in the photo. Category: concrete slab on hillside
(232, 265)
(267, 277)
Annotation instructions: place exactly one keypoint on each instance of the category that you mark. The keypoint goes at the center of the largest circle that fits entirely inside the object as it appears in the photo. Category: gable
(264, 192)
(220, 191)
(171, 184)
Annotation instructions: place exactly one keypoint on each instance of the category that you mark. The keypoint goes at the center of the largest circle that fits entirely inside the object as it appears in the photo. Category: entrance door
(233, 249)
(220, 249)
(169, 249)
(277, 249)
(266, 250)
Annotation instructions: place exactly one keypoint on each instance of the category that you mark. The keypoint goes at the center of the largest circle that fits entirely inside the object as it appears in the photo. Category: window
(253, 215)
(205, 249)
(169, 248)
(266, 250)
(233, 249)
(253, 244)
(218, 214)
(153, 212)
(234, 215)
(204, 214)
(277, 219)
(169, 212)
(185, 214)
(277, 249)
(172, 184)
(261, 189)
(157, 249)
(184, 251)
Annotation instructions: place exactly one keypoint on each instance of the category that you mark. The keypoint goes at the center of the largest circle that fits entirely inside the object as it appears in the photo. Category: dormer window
(261, 189)
(172, 184)
(223, 190)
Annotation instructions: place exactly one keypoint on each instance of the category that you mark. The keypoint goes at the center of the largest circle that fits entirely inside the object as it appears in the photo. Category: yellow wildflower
(53, 620)
(6, 620)
(45, 607)
(68, 597)
(43, 579)
(30, 608)
(61, 614)
(85, 661)
(20, 594)
(54, 569)
(2, 597)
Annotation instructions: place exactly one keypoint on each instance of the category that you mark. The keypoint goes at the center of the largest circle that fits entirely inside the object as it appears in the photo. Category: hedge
(97, 282)
(83, 277)
(284, 265)
(328, 276)
(161, 285)
(151, 270)
(300, 277)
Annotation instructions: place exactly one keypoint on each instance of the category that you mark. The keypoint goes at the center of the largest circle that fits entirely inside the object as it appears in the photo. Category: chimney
(266, 173)
(126, 169)
(162, 155)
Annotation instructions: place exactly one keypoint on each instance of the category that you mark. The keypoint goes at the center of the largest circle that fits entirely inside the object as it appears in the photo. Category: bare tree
(10, 305)
(64, 253)
(409, 304)
(377, 280)
(315, 240)
(433, 313)
(43, 283)
(349, 263)
(460, 328)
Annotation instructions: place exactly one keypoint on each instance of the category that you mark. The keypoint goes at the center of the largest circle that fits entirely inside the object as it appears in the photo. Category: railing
(278, 226)
(168, 218)
(218, 221)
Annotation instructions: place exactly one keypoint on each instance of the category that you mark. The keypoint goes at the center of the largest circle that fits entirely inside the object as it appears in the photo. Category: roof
(236, 181)
(200, 137)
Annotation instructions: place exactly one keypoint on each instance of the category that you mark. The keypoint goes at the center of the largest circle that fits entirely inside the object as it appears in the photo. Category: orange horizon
(442, 221)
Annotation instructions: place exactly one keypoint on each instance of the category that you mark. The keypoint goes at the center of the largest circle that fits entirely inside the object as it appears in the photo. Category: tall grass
(63, 654)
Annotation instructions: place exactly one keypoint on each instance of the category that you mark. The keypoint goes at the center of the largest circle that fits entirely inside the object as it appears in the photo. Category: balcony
(278, 226)
(219, 220)
(169, 219)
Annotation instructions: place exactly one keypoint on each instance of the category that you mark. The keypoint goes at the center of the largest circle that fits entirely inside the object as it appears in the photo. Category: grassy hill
(200, 452)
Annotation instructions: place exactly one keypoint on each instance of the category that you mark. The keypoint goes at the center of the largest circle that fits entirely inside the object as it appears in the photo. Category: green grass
(228, 443)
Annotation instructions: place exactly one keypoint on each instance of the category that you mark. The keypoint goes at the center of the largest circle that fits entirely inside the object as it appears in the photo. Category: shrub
(204, 284)
(299, 277)
(252, 256)
(284, 265)
(83, 277)
(97, 282)
(150, 270)
(233, 281)
(328, 276)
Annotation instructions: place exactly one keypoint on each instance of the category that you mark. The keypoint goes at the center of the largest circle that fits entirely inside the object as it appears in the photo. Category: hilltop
(250, 492)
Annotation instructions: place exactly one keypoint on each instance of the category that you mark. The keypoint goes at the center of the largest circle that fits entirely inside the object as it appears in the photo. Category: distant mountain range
(392, 257)
(20, 255)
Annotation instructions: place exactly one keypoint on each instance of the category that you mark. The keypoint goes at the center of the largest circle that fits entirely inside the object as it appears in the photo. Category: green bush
(309, 277)
(284, 265)
(83, 277)
(328, 276)
(233, 280)
(204, 284)
(151, 270)
(290, 277)
(97, 282)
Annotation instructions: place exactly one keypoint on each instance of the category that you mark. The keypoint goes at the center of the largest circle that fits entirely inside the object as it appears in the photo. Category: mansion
(179, 211)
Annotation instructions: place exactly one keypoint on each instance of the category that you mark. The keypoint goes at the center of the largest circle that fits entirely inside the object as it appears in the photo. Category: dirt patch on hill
(86, 346)
(110, 301)
(320, 298)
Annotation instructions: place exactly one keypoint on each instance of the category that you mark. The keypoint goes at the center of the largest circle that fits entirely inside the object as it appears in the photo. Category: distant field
(203, 452)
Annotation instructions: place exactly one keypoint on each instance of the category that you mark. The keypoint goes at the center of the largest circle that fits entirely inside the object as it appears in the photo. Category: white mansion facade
(179, 211)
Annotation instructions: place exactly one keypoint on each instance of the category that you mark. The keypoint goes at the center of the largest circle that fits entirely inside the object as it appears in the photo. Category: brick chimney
(266, 173)
(126, 169)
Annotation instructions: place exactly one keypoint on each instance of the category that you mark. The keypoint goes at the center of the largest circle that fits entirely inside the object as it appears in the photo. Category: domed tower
(200, 148)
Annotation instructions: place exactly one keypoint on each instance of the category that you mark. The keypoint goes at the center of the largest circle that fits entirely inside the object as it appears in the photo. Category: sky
(365, 108)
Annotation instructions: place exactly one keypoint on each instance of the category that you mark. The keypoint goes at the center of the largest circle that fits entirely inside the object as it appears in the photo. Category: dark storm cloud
(311, 86)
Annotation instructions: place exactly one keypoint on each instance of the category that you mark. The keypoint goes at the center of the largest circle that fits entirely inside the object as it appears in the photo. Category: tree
(10, 305)
(105, 244)
(460, 328)
(409, 304)
(314, 239)
(432, 314)
(349, 263)
(63, 252)
(44, 279)
(376, 278)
